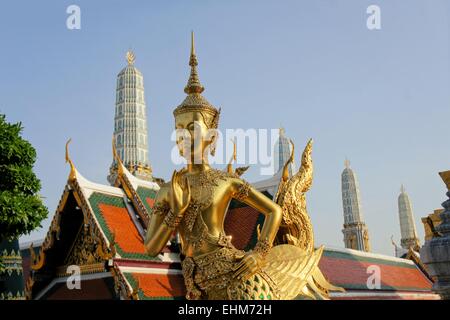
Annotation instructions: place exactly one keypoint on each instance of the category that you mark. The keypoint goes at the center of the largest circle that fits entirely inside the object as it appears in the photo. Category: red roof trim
(147, 264)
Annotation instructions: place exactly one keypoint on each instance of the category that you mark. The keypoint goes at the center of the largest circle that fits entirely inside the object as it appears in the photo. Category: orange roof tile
(119, 222)
(150, 202)
(352, 273)
(160, 285)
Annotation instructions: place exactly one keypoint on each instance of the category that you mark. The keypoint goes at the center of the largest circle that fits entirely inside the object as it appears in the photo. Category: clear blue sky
(380, 98)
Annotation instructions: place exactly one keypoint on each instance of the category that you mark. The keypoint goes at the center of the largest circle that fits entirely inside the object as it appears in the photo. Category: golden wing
(296, 228)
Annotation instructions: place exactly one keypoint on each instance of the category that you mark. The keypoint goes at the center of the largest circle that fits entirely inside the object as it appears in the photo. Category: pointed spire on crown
(194, 101)
(193, 85)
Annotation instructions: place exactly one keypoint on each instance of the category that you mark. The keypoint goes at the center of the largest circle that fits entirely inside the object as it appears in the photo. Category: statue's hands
(248, 266)
(179, 194)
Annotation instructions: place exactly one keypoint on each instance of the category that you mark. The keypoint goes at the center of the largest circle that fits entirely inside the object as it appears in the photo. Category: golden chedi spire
(194, 100)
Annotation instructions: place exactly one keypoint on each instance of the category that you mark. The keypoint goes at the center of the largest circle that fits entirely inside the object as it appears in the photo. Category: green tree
(21, 207)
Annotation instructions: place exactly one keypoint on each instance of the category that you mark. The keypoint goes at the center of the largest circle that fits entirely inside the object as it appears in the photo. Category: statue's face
(193, 136)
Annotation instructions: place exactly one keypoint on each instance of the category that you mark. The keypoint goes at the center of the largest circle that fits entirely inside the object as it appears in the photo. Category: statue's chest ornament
(203, 187)
(202, 194)
(202, 197)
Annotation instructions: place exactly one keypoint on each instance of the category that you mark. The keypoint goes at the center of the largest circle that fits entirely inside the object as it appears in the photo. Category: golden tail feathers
(297, 273)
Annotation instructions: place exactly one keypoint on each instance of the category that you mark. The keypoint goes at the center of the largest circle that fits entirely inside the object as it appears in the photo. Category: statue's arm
(158, 232)
(245, 193)
(255, 199)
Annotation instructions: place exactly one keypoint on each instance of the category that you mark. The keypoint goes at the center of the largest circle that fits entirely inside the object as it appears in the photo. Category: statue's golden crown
(195, 102)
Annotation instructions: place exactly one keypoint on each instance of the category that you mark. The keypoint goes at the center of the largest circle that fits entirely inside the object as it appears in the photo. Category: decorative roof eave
(364, 254)
(132, 292)
(105, 249)
(81, 188)
(131, 193)
(38, 261)
(142, 264)
(122, 284)
(370, 294)
(413, 256)
(130, 184)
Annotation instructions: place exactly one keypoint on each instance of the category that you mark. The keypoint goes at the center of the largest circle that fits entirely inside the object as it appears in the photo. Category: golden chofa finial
(73, 170)
(233, 158)
(445, 176)
(116, 157)
(130, 57)
(193, 85)
(285, 175)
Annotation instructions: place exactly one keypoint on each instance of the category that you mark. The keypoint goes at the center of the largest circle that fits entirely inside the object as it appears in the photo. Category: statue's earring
(213, 145)
(180, 147)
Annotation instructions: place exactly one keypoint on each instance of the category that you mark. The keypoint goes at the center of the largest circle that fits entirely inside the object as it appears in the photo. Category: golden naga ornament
(194, 204)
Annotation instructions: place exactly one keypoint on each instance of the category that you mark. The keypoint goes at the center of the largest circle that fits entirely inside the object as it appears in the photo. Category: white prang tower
(130, 123)
(356, 234)
(407, 224)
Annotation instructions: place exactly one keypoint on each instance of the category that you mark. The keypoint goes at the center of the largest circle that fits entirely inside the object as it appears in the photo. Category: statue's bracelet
(262, 247)
(161, 209)
(172, 220)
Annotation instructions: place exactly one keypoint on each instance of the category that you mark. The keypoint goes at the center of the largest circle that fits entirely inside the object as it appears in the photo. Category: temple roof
(115, 220)
(349, 269)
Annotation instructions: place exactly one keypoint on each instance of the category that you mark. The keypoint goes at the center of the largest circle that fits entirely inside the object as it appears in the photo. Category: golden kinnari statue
(194, 203)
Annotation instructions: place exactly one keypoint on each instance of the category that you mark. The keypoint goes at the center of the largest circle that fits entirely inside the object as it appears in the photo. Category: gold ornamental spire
(130, 57)
(193, 85)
